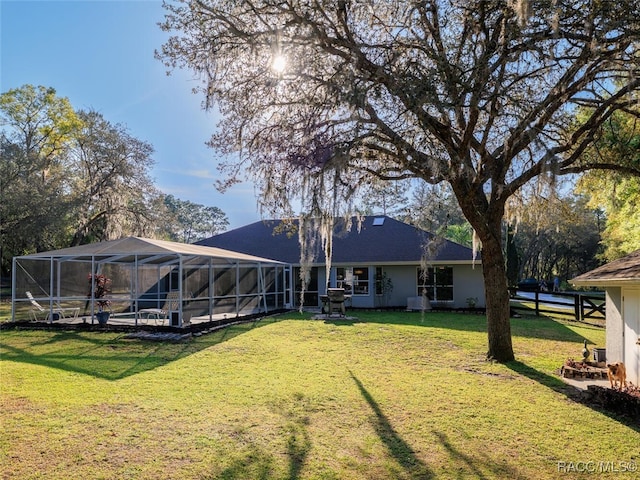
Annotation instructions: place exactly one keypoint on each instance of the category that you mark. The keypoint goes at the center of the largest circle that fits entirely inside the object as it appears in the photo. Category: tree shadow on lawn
(573, 393)
(397, 447)
(532, 327)
(469, 466)
(253, 461)
(257, 464)
(406, 457)
(112, 358)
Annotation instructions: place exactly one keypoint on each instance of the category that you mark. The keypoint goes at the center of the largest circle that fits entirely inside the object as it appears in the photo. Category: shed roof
(123, 249)
(624, 271)
(379, 239)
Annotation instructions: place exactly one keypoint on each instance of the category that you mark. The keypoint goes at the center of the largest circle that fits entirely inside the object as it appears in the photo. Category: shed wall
(614, 325)
(631, 313)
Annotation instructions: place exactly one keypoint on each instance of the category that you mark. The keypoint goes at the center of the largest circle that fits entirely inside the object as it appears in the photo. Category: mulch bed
(624, 402)
(584, 370)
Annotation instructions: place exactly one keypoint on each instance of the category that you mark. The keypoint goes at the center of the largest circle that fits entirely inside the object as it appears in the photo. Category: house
(379, 261)
(621, 282)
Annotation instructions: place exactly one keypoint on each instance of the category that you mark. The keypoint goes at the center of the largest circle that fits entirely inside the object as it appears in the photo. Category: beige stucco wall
(631, 337)
(615, 325)
(467, 282)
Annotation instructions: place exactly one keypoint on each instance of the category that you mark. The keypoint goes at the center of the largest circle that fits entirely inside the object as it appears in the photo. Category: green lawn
(389, 396)
(5, 304)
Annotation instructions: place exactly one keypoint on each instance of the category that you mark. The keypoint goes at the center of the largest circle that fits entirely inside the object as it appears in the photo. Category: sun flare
(279, 63)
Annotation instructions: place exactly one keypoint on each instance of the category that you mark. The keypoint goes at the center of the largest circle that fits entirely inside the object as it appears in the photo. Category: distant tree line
(70, 177)
(551, 235)
(547, 234)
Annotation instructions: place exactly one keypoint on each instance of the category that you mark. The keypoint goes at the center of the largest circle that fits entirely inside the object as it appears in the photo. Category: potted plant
(100, 286)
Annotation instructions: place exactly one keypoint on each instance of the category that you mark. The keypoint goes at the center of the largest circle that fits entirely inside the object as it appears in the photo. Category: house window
(354, 280)
(384, 285)
(436, 283)
(379, 281)
(311, 297)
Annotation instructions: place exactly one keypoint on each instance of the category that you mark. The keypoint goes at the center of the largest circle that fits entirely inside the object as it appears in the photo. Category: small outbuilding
(621, 281)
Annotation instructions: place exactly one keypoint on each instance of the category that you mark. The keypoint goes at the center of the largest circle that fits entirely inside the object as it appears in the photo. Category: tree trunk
(497, 300)
(486, 219)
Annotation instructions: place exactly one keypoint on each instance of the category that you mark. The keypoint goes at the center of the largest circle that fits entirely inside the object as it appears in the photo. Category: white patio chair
(63, 312)
(171, 304)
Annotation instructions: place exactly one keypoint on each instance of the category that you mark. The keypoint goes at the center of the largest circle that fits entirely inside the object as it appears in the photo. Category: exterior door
(631, 316)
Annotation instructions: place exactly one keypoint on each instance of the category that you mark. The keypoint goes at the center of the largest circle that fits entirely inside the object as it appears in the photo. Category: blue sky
(100, 55)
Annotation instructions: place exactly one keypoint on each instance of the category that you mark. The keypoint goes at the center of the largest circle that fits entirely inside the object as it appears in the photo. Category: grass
(391, 395)
(5, 304)
(563, 313)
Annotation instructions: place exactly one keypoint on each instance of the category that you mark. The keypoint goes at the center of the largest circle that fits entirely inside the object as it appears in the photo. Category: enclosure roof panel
(623, 271)
(129, 247)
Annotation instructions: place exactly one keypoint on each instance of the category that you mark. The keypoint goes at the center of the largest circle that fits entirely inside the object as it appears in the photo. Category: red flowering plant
(100, 290)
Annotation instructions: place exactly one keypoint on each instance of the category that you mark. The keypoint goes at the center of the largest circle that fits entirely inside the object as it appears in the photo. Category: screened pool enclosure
(134, 278)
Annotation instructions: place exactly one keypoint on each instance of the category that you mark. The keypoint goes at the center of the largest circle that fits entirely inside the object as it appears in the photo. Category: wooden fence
(580, 306)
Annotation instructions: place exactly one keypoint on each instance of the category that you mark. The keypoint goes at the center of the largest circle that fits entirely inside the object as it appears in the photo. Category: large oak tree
(318, 96)
(72, 177)
(36, 133)
(114, 192)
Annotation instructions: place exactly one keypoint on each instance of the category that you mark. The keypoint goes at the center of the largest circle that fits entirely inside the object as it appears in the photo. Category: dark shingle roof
(390, 242)
(625, 270)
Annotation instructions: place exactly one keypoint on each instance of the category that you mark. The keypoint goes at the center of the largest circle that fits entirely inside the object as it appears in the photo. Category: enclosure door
(631, 315)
